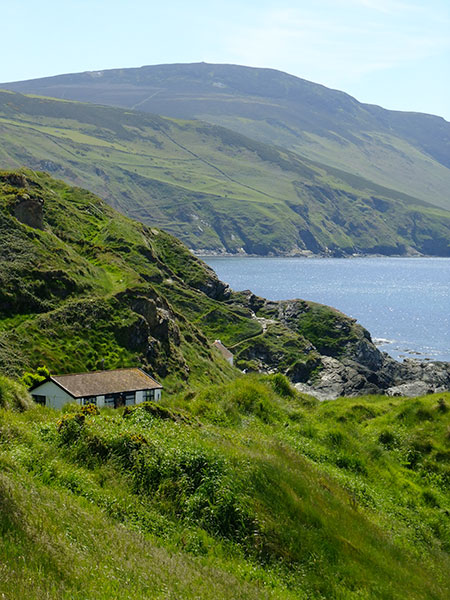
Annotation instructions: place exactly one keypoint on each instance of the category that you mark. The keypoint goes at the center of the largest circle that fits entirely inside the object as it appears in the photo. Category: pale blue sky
(395, 53)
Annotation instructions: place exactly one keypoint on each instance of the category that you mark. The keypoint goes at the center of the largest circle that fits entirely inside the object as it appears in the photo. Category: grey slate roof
(99, 383)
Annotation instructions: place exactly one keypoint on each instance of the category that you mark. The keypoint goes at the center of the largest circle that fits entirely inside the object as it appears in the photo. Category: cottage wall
(55, 397)
(140, 396)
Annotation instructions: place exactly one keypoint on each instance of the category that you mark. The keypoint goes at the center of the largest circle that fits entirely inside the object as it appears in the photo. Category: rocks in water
(346, 360)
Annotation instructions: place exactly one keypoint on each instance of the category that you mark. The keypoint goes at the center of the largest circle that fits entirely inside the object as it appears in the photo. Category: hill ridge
(217, 190)
(306, 117)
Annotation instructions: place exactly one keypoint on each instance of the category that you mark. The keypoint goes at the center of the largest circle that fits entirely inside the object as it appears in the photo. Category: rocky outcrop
(29, 210)
(346, 361)
(25, 204)
(212, 286)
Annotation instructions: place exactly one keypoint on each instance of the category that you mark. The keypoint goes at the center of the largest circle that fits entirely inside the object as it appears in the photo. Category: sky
(394, 53)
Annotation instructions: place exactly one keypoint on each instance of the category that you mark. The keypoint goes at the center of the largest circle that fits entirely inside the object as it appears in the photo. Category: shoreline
(299, 278)
(203, 254)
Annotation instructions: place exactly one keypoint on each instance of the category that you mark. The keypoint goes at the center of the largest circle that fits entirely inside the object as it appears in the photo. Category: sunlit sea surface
(403, 302)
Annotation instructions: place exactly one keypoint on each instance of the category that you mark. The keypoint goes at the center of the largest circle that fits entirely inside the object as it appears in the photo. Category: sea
(403, 302)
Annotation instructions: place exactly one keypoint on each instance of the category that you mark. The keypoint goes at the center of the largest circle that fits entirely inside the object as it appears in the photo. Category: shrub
(70, 427)
(281, 385)
(13, 395)
(30, 378)
(89, 409)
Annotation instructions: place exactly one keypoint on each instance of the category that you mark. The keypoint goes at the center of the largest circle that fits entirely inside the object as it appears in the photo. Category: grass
(213, 188)
(245, 490)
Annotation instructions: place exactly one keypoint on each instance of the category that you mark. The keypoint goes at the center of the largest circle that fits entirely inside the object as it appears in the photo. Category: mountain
(408, 152)
(215, 189)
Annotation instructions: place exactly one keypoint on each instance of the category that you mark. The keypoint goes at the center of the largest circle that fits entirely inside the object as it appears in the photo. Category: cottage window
(149, 395)
(130, 398)
(89, 400)
(39, 399)
(110, 400)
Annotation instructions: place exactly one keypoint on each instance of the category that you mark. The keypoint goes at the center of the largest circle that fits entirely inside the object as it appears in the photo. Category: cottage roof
(222, 349)
(99, 383)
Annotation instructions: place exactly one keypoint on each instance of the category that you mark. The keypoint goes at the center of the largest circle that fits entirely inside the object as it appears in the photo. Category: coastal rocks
(348, 378)
(412, 376)
(339, 358)
(335, 378)
(363, 351)
(411, 389)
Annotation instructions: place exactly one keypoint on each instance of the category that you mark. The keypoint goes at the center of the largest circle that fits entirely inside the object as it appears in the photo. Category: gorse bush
(70, 427)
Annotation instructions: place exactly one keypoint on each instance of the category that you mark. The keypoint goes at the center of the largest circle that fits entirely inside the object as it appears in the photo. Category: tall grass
(245, 490)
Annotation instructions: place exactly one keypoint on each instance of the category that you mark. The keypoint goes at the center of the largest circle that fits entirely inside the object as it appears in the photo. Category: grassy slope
(213, 188)
(94, 289)
(405, 151)
(240, 490)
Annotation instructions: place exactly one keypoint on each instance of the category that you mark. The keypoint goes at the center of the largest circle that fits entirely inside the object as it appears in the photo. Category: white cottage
(121, 387)
(228, 356)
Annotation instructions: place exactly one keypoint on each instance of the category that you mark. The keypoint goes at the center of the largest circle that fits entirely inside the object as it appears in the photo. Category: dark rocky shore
(353, 366)
(350, 377)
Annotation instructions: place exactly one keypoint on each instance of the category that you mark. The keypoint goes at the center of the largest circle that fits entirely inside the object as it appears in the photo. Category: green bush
(30, 378)
(282, 386)
(13, 395)
(70, 427)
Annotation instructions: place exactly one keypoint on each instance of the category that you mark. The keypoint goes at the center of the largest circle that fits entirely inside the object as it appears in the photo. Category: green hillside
(235, 486)
(244, 490)
(409, 152)
(82, 287)
(214, 189)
